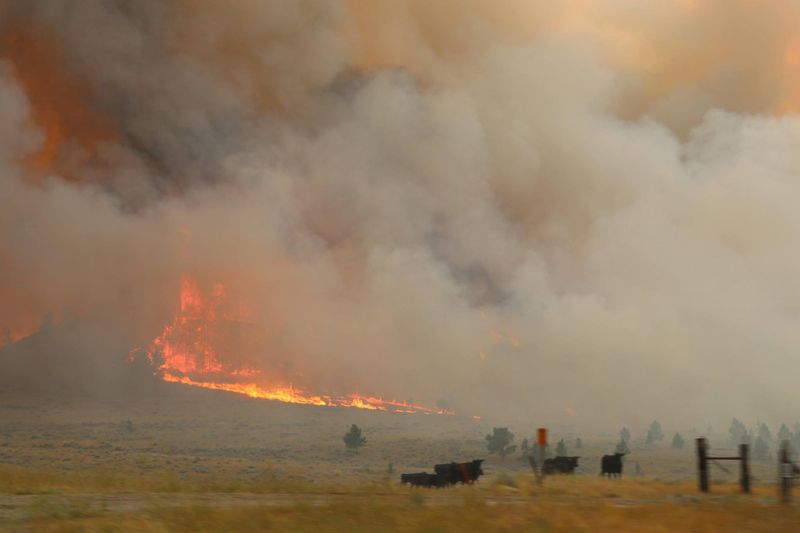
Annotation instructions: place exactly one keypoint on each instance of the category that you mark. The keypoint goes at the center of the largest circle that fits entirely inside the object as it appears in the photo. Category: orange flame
(198, 349)
(281, 394)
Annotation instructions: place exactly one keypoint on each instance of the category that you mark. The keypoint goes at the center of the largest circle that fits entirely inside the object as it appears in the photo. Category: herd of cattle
(446, 474)
(467, 473)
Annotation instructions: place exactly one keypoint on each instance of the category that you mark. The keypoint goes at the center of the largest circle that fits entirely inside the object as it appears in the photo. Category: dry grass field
(204, 461)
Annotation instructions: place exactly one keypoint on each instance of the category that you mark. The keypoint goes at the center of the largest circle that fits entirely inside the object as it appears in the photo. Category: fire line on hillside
(196, 349)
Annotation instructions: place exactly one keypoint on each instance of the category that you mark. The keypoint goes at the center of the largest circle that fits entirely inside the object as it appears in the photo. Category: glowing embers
(213, 343)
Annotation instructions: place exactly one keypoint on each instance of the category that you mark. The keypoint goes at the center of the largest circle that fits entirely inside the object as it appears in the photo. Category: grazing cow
(612, 465)
(452, 473)
(446, 474)
(421, 479)
(560, 465)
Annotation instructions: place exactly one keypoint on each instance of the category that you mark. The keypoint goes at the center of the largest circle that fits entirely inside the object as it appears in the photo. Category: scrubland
(211, 462)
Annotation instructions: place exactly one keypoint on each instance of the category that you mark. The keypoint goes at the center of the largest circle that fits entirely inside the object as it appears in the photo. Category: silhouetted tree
(622, 447)
(637, 470)
(784, 433)
(625, 434)
(654, 434)
(578, 443)
(353, 439)
(677, 442)
(561, 448)
(748, 438)
(764, 433)
(525, 446)
(499, 442)
(760, 449)
(737, 433)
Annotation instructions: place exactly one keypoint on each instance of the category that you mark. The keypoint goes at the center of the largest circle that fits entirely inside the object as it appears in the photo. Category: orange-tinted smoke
(429, 38)
(60, 102)
(731, 50)
(737, 54)
(791, 101)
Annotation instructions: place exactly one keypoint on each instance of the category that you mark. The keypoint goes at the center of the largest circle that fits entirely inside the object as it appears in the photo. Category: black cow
(612, 465)
(421, 479)
(452, 473)
(560, 465)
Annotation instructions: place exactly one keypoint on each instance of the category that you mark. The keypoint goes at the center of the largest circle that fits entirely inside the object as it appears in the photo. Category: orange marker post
(541, 441)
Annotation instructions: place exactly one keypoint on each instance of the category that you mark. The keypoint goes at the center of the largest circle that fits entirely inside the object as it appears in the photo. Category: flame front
(213, 343)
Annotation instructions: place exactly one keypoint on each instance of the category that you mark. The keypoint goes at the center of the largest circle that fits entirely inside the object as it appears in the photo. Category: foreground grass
(509, 503)
(18, 480)
(413, 517)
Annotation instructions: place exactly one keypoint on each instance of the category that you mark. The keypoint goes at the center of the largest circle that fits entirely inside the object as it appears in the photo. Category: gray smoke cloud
(512, 208)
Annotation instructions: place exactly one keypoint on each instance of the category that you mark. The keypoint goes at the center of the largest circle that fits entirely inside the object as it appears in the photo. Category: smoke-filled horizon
(578, 209)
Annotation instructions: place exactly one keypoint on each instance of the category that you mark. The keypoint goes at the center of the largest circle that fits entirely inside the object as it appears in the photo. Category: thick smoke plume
(511, 207)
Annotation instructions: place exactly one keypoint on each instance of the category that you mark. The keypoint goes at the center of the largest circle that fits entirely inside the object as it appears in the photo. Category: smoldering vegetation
(514, 208)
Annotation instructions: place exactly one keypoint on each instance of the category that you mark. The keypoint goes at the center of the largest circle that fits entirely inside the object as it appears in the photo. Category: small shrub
(561, 448)
(353, 439)
(499, 442)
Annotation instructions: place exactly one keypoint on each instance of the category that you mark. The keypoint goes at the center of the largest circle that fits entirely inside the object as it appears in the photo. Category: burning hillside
(214, 343)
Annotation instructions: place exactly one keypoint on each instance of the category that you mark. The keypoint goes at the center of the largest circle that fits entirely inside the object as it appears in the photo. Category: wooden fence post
(786, 473)
(744, 463)
(702, 464)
